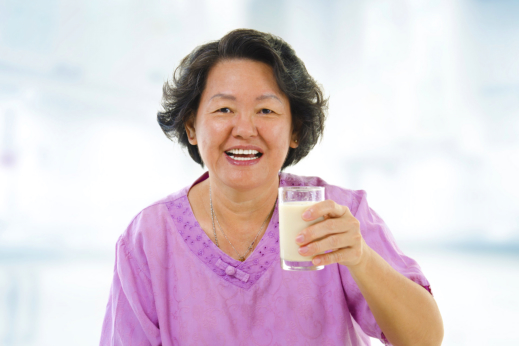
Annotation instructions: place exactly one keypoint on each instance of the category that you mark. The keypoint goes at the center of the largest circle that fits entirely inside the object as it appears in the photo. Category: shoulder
(152, 222)
(350, 198)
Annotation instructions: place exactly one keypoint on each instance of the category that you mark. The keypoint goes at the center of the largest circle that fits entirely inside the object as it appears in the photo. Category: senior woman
(201, 267)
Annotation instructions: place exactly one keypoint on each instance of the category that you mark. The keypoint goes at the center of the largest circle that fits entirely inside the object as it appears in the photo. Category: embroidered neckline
(263, 256)
(229, 269)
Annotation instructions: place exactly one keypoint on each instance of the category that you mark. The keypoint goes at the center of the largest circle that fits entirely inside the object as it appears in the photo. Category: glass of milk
(293, 201)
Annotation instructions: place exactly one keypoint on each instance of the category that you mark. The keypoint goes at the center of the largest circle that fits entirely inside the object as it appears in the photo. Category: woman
(201, 267)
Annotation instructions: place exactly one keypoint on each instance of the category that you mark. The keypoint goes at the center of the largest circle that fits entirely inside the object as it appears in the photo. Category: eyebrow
(259, 98)
(268, 96)
(223, 96)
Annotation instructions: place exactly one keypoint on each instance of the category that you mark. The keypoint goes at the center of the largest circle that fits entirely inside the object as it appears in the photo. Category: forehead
(241, 75)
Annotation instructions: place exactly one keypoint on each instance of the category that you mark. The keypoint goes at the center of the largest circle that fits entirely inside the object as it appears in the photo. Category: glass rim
(301, 188)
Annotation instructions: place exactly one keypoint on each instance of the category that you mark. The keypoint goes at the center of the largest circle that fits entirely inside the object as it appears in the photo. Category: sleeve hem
(384, 339)
(428, 288)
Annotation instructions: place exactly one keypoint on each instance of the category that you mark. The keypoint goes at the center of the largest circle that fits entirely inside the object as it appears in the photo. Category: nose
(244, 126)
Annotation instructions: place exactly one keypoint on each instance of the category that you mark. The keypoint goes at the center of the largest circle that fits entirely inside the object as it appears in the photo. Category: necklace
(213, 217)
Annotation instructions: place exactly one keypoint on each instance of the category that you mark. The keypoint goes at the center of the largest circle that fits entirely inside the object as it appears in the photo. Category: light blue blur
(424, 116)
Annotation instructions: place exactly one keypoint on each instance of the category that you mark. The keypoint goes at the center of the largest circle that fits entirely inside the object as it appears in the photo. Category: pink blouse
(173, 286)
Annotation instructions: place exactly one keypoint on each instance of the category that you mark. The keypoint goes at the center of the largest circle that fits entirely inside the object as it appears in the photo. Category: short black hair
(181, 96)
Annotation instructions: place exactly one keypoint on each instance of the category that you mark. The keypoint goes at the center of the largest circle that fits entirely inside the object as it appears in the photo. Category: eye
(224, 110)
(266, 111)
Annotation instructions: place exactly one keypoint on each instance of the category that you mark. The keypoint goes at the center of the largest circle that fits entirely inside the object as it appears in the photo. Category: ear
(294, 142)
(190, 130)
(294, 137)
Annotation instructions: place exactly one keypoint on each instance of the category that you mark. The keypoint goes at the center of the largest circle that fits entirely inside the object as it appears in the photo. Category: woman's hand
(406, 313)
(338, 232)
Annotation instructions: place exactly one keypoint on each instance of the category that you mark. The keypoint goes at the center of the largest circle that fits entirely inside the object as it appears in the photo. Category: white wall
(424, 116)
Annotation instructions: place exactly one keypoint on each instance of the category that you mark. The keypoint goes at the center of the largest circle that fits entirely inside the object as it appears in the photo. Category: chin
(247, 179)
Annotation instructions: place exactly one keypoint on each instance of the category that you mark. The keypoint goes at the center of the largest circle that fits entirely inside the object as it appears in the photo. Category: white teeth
(242, 158)
(243, 152)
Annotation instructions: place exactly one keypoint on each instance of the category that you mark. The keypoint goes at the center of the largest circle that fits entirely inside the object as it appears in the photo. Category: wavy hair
(181, 96)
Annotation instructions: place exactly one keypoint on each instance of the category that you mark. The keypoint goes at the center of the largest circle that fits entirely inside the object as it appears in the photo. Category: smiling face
(243, 126)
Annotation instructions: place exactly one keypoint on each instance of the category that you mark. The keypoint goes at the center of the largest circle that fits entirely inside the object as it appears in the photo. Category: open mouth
(243, 154)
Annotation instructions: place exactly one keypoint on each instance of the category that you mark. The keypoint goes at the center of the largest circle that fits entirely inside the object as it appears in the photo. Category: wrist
(364, 260)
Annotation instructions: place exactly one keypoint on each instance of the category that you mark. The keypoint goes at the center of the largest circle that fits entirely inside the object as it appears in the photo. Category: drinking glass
(293, 200)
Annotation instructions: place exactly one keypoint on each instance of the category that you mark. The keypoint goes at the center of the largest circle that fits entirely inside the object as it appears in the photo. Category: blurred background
(424, 116)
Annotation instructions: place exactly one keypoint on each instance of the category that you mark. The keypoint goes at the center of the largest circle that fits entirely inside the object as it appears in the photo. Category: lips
(243, 156)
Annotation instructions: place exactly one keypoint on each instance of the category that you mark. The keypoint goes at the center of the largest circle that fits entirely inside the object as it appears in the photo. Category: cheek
(280, 135)
(210, 136)
(278, 142)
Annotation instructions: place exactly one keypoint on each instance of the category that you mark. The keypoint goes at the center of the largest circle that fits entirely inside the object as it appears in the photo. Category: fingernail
(303, 250)
(307, 214)
(300, 238)
(316, 261)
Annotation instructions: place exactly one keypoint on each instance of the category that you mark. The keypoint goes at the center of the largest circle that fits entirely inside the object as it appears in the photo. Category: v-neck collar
(241, 274)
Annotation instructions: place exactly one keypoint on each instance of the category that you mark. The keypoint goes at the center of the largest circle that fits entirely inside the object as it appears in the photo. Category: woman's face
(243, 126)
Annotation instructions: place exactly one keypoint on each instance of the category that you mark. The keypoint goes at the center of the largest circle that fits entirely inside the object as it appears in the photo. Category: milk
(290, 225)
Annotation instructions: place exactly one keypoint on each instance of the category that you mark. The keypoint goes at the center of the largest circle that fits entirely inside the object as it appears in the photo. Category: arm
(130, 317)
(405, 312)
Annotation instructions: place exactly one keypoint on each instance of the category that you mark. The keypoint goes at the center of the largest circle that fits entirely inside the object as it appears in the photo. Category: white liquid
(290, 225)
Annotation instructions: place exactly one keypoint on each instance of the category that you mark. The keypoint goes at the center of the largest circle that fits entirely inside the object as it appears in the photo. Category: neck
(241, 212)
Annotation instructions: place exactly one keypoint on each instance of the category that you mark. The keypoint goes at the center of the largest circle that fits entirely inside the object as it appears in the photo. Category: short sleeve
(131, 317)
(379, 238)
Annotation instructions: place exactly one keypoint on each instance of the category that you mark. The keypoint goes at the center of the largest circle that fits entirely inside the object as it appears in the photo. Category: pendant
(241, 259)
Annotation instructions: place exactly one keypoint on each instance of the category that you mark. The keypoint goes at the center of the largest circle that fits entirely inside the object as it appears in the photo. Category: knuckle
(335, 225)
(339, 226)
(309, 233)
(333, 241)
(330, 225)
(336, 257)
(328, 258)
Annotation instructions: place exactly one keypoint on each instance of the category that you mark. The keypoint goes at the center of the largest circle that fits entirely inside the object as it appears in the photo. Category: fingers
(345, 256)
(327, 227)
(326, 208)
(336, 239)
(331, 242)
